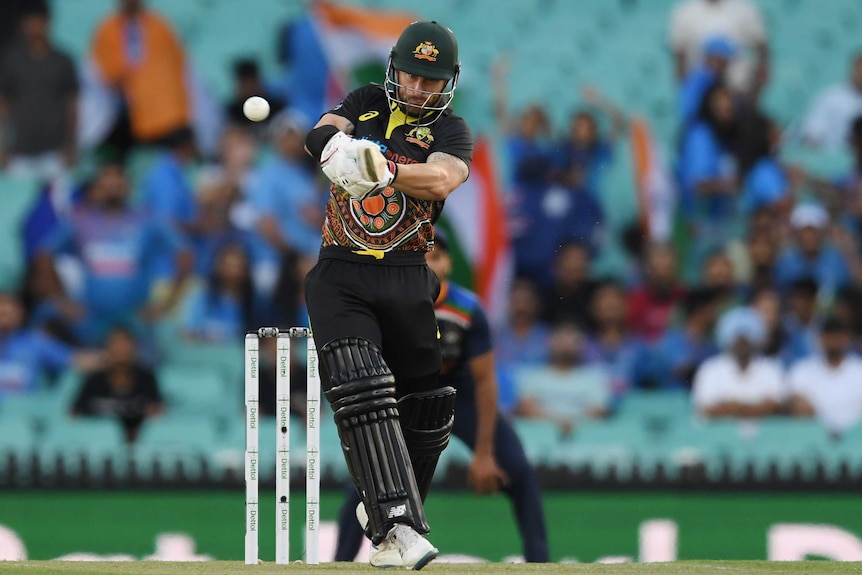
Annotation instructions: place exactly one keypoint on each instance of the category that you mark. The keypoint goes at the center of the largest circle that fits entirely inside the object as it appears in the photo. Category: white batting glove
(357, 166)
(338, 162)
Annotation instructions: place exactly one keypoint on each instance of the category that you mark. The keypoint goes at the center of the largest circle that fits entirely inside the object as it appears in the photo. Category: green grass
(234, 568)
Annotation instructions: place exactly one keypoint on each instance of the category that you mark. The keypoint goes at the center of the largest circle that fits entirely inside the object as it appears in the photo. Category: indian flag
(475, 225)
(337, 46)
(656, 198)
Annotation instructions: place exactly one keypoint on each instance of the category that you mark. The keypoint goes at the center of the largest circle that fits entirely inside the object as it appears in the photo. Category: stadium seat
(602, 446)
(456, 454)
(75, 442)
(195, 390)
(779, 444)
(690, 442)
(655, 405)
(17, 445)
(175, 444)
(844, 451)
(18, 195)
(225, 359)
(38, 409)
(540, 438)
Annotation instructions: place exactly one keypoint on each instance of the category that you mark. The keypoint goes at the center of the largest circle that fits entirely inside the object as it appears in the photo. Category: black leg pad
(362, 395)
(426, 420)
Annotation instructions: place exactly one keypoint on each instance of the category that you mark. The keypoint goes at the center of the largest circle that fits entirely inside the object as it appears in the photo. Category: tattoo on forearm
(454, 161)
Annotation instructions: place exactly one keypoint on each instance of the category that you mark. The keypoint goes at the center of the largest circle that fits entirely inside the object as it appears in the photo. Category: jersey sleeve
(478, 337)
(454, 137)
(353, 104)
(52, 353)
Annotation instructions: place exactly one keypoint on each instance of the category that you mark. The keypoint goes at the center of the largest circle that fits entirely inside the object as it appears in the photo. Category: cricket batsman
(393, 154)
(499, 461)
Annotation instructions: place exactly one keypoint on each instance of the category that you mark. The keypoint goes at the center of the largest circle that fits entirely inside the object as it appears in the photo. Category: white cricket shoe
(384, 555)
(416, 551)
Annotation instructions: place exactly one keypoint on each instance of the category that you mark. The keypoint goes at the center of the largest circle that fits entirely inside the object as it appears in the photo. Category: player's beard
(418, 107)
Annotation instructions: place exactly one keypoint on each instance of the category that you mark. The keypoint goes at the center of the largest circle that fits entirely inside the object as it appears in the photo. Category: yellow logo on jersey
(420, 136)
(369, 115)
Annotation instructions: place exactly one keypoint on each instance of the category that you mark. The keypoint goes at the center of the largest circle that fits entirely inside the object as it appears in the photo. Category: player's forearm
(486, 419)
(433, 180)
(486, 403)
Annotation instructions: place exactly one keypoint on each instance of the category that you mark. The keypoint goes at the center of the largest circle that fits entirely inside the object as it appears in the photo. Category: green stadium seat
(178, 433)
(195, 390)
(689, 442)
(17, 195)
(456, 454)
(540, 438)
(844, 451)
(73, 23)
(73, 441)
(779, 444)
(18, 444)
(175, 443)
(655, 405)
(225, 359)
(38, 408)
(602, 446)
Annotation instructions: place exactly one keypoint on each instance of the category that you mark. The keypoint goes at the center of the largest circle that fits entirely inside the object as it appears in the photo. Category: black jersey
(392, 220)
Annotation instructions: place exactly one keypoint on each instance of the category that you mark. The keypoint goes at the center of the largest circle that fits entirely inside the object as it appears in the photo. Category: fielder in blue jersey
(499, 462)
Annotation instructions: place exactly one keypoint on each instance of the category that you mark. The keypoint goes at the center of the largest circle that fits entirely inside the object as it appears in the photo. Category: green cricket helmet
(429, 50)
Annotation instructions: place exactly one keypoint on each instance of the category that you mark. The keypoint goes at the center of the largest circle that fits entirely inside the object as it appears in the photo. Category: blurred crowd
(753, 302)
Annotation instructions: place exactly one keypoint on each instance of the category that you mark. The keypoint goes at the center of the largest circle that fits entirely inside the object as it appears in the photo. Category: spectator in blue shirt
(718, 53)
(165, 190)
(29, 357)
(766, 183)
(801, 322)
(117, 247)
(216, 199)
(288, 201)
(683, 348)
(527, 148)
(586, 146)
(564, 212)
(222, 309)
(289, 204)
(811, 255)
(623, 354)
(168, 195)
(524, 338)
(708, 171)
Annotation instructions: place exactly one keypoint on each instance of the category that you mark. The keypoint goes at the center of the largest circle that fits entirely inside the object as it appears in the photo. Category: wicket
(282, 476)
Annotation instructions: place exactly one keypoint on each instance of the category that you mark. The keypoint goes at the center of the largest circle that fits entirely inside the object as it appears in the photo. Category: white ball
(256, 109)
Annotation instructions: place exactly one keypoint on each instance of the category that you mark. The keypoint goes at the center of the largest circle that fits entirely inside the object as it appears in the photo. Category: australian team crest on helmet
(426, 51)
(380, 213)
(421, 136)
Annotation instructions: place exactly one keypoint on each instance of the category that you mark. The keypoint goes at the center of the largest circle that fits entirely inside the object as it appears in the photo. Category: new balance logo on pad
(397, 511)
